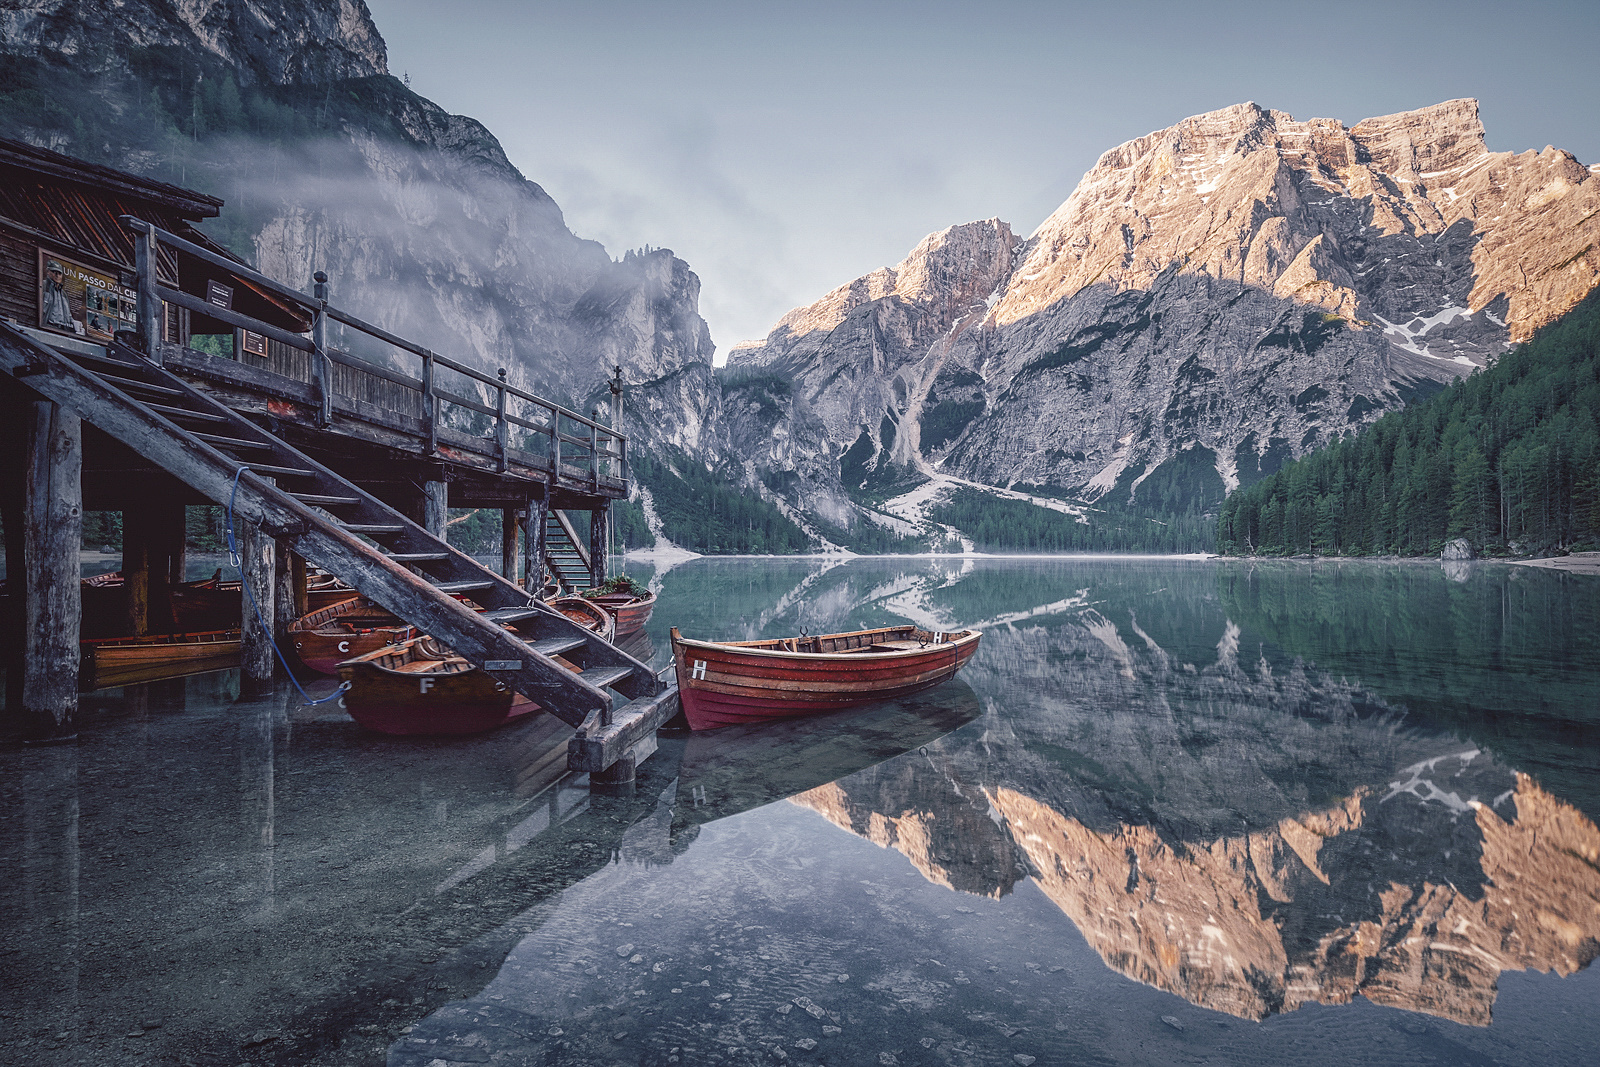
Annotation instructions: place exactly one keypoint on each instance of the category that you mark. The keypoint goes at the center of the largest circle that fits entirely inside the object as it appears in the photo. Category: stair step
(185, 413)
(416, 557)
(461, 587)
(105, 361)
(324, 499)
(601, 677)
(554, 646)
(126, 384)
(233, 442)
(510, 615)
(282, 472)
(372, 529)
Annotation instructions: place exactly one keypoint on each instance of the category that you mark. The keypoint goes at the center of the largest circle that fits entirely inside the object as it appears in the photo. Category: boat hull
(353, 627)
(126, 660)
(631, 612)
(727, 684)
(394, 702)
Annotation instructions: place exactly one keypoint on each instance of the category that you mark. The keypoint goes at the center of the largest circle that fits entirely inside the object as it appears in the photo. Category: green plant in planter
(620, 583)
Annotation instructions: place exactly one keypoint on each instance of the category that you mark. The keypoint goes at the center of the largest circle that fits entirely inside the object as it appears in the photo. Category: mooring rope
(244, 584)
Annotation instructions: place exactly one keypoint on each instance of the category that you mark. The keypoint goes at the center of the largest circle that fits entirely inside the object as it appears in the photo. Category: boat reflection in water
(738, 768)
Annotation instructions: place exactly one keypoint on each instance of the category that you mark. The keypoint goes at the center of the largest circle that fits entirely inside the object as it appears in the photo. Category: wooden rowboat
(632, 612)
(586, 613)
(417, 686)
(723, 683)
(125, 660)
(353, 627)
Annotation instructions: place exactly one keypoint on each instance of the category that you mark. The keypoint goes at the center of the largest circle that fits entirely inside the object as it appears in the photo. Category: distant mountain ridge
(1242, 283)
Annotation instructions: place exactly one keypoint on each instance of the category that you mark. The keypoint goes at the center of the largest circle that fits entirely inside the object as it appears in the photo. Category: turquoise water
(1173, 811)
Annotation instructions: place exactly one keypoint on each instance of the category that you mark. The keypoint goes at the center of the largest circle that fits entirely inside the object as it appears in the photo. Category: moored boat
(727, 682)
(417, 686)
(588, 614)
(125, 660)
(353, 627)
(632, 610)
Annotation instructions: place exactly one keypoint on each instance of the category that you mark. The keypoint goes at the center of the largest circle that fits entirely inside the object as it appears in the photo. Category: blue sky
(785, 148)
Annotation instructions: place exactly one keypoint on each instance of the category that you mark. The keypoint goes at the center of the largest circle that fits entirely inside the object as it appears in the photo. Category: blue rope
(234, 559)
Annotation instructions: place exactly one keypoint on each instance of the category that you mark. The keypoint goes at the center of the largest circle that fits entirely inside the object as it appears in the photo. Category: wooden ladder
(346, 531)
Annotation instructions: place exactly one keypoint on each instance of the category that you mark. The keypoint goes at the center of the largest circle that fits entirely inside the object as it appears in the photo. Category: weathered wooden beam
(52, 538)
(258, 553)
(436, 507)
(632, 732)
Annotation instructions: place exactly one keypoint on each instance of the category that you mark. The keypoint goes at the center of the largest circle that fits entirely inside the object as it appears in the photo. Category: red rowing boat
(722, 683)
(353, 627)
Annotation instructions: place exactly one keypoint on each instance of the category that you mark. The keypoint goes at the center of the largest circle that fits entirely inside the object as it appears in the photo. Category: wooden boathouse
(146, 368)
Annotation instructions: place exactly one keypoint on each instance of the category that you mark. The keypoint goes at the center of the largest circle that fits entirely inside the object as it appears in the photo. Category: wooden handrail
(323, 356)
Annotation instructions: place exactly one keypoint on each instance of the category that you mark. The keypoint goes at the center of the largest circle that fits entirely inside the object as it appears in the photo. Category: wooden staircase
(616, 701)
(564, 554)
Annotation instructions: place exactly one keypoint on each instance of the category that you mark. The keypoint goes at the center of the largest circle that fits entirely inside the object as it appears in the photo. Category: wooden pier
(149, 369)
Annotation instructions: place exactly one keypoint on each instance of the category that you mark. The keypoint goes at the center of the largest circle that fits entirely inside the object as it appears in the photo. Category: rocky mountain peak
(276, 42)
(1221, 294)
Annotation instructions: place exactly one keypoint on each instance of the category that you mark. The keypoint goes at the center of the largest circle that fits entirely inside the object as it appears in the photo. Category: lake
(1174, 811)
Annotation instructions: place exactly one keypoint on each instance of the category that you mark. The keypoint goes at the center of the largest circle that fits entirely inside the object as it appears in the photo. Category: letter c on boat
(344, 646)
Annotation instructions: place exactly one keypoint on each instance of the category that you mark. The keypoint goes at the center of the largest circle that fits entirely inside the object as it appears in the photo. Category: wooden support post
(178, 545)
(52, 538)
(538, 530)
(321, 367)
(12, 482)
(618, 466)
(436, 507)
(599, 519)
(430, 404)
(168, 530)
(297, 571)
(283, 592)
(500, 435)
(144, 259)
(257, 564)
(138, 534)
(508, 543)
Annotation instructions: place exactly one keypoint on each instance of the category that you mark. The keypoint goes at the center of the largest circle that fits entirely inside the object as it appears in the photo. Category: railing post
(430, 404)
(145, 262)
(321, 368)
(555, 447)
(500, 423)
(594, 450)
(616, 420)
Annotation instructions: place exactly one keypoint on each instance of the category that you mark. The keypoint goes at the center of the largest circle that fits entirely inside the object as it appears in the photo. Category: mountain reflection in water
(1258, 788)
(1249, 837)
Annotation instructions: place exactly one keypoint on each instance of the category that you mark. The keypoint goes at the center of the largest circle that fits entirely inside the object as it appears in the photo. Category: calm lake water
(1172, 812)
